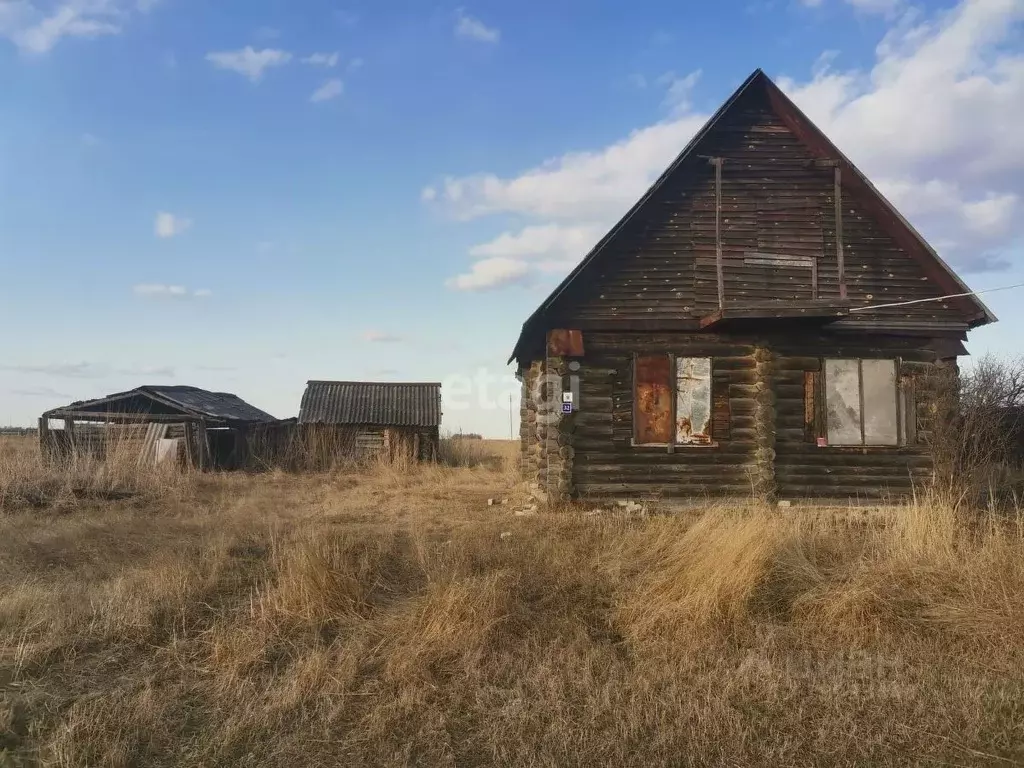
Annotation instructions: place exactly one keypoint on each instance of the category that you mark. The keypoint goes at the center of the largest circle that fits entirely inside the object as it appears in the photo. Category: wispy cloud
(332, 89)
(679, 90)
(381, 337)
(322, 59)
(35, 31)
(488, 274)
(248, 61)
(346, 18)
(160, 290)
(39, 392)
(168, 225)
(84, 370)
(470, 28)
(145, 6)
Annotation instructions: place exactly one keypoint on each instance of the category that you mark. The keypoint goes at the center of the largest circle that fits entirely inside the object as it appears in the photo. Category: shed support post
(44, 439)
(242, 446)
(69, 434)
(190, 444)
(203, 447)
(764, 484)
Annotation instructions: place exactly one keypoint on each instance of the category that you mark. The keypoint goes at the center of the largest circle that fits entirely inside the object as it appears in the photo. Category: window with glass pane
(861, 402)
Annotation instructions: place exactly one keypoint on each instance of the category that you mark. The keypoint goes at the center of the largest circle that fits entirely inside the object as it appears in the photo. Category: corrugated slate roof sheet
(218, 405)
(367, 402)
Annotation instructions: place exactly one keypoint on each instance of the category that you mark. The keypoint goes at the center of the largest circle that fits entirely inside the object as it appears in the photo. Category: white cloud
(89, 140)
(37, 31)
(248, 61)
(550, 246)
(934, 123)
(887, 7)
(491, 273)
(322, 59)
(332, 89)
(593, 184)
(159, 290)
(381, 337)
(469, 28)
(169, 225)
(356, 63)
(679, 90)
(145, 6)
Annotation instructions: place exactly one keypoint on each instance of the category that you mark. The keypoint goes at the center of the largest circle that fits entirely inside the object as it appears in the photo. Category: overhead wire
(936, 298)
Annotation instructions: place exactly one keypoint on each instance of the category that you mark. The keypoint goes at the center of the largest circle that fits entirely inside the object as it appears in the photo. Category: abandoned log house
(762, 321)
(208, 430)
(369, 420)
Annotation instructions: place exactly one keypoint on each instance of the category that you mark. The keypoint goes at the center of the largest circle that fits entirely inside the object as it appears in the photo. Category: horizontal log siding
(661, 265)
(802, 469)
(606, 464)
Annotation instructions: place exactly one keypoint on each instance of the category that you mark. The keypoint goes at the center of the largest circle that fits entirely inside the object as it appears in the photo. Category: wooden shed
(209, 430)
(367, 419)
(761, 320)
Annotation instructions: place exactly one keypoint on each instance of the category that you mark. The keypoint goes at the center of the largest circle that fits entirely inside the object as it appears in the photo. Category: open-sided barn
(762, 320)
(207, 429)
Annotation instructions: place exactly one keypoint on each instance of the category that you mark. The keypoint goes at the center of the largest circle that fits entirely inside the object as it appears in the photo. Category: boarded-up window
(656, 385)
(653, 397)
(861, 402)
(693, 400)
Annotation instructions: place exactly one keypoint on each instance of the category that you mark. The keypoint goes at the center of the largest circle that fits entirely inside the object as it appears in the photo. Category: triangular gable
(818, 145)
(132, 401)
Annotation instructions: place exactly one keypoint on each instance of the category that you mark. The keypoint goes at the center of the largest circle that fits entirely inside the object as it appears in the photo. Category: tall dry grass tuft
(26, 480)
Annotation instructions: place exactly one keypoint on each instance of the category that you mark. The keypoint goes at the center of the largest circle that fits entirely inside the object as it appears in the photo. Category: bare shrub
(976, 434)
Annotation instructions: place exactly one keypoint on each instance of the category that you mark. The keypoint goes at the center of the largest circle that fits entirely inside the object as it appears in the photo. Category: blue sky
(246, 195)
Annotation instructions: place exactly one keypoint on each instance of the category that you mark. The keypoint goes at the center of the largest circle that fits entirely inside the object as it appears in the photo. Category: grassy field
(392, 617)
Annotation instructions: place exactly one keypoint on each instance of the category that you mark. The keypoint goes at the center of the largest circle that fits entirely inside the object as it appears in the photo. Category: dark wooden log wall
(606, 464)
(766, 448)
(775, 198)
(802, 468)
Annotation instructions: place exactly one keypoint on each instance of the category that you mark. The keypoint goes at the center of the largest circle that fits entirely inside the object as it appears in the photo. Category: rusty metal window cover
(862, 402)
(672, 399)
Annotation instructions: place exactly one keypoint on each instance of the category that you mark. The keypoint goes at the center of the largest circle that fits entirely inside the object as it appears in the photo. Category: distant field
(392, 617)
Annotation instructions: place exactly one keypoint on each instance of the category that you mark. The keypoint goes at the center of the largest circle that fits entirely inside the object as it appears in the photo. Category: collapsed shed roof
(416, 404)
(165, 403)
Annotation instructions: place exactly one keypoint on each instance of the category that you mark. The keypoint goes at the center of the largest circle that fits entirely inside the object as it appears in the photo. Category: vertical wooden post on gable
(838, 192)
(717, 162)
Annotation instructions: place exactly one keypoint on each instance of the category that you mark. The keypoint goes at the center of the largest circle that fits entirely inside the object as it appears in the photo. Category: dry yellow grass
(383, 618)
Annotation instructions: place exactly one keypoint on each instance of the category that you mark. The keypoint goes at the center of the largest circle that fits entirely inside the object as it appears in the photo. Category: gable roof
(819, 144)
(189, 402)
(368, 402)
